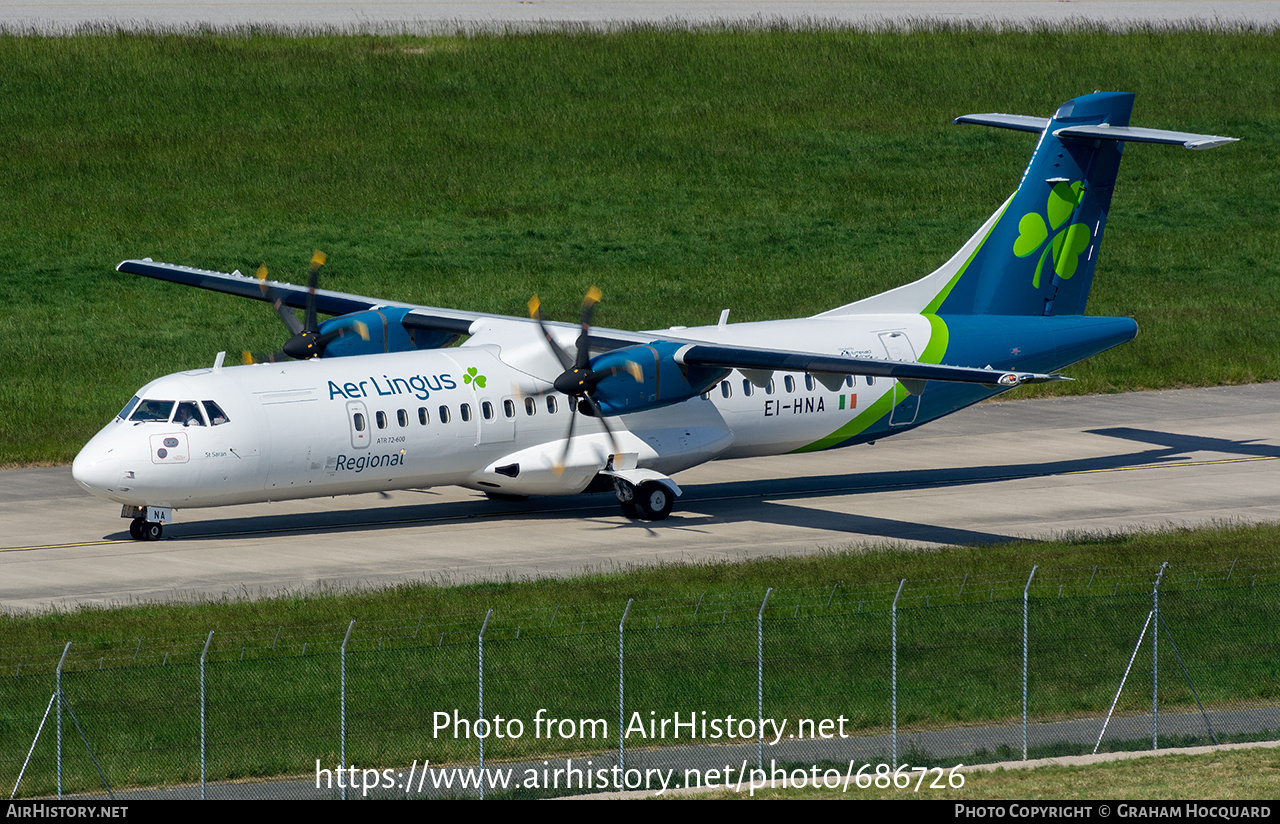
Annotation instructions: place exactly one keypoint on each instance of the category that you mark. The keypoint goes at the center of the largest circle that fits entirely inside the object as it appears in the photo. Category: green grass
(777, 173)
(272, 671)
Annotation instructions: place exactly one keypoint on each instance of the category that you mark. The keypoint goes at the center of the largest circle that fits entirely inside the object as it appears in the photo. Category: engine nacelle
(662, 382)
(386, 334)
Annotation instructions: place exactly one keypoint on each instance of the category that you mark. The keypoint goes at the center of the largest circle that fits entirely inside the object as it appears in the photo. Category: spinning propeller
(306, 341)
(579, 380)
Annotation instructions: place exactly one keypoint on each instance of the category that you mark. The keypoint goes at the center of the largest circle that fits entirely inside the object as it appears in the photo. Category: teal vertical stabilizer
(1040, 256)
(1037, 254)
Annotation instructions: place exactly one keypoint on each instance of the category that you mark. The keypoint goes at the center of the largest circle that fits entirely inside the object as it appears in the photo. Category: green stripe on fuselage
(934, 351)
(870, 415)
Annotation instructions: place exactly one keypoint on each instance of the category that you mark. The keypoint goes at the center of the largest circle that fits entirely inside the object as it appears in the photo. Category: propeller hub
(303, 345)
(574, 382)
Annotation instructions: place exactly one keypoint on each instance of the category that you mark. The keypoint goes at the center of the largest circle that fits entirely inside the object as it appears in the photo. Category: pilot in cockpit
(188, 414)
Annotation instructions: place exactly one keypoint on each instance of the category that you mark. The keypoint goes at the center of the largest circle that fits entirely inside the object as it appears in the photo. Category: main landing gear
(649, 501)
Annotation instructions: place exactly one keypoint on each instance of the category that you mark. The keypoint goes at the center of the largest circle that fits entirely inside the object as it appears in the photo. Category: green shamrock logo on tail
(1067, 244)
(472, 376)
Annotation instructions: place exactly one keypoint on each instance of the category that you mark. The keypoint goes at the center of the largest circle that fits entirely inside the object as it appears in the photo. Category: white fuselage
(471, 415)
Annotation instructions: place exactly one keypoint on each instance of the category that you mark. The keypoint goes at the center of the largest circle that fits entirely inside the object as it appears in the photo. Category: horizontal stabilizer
(1133, 134)
(1101, 131)
(1017, 122)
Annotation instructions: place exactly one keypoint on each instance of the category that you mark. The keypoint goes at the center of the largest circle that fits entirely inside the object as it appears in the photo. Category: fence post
(1155, 659)
(203, 654)
(621, 725)
(893, 676)
(58, 689)
(760, 680)
(342, 703)
(1025, 590)
(483, 627)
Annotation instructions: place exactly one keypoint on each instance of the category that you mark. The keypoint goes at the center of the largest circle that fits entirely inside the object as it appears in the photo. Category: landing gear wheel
(654, 501)
(630, 510)
(151, 532)
(135, 528)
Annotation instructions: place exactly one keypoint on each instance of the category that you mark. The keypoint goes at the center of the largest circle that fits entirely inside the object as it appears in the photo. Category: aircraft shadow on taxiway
(741, 500)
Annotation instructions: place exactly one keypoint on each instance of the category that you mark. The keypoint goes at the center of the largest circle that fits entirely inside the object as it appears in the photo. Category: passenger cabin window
(552, 406)
(188, 414)
(422, 416)
(768, 389)
(486, 409)
(848, 381)
(530, 407)
(465, 411)
(444, 414)
(402, 417)
(725, 389)
(747, 389)
(216, 416)
(509, 408)
(790, 383)
(152, 411)
(808, 383)
(382, 420)
(357, 420)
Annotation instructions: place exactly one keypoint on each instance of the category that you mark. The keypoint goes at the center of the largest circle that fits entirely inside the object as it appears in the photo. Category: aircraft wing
(428, 318)
(235, 283)
(692, 353)
(749, 358)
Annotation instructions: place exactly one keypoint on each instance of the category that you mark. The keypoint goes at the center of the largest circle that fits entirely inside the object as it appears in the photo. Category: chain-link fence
(805, 684)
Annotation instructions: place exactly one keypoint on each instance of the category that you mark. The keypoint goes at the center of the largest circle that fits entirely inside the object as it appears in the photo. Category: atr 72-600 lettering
(377, 397)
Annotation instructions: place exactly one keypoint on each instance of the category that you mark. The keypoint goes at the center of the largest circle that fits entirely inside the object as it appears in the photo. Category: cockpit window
(188, 414)
(152, 411)
(216, 415)
(128, 407)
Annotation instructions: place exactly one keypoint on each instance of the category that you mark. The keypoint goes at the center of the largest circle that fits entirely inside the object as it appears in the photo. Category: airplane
(378, 397)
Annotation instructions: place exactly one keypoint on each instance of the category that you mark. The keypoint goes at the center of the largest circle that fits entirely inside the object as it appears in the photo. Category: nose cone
(97, 469)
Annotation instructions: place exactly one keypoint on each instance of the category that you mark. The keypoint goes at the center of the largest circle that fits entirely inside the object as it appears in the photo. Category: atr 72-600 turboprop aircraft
(375, 401)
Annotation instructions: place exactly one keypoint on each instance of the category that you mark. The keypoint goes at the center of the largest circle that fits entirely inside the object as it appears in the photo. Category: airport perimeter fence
(807, 686)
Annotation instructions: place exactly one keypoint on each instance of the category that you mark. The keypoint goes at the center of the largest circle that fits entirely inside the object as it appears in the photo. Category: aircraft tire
(630, 510)
(135, 529)
(152, 532)
(654, 501)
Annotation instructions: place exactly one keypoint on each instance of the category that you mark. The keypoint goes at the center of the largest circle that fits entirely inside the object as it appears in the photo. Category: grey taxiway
(993, 473)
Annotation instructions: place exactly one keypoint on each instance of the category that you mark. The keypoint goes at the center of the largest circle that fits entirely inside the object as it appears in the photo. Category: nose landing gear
(147, 522)
(140, 529)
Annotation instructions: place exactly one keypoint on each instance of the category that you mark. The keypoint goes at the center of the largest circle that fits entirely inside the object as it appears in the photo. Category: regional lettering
(345, 464)
(419, 386)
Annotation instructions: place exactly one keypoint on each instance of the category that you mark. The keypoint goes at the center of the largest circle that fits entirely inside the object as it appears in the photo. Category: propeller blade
(248, 358)
(313, 281)
(578, 380)
(613, 439)
(536, 313)
(284, 312)
(557, 468)
(588, 308)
